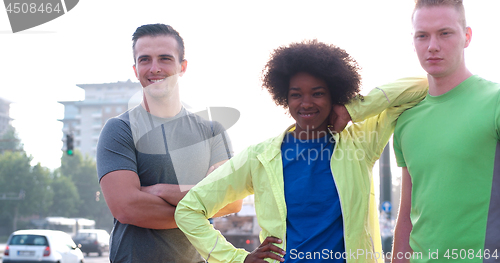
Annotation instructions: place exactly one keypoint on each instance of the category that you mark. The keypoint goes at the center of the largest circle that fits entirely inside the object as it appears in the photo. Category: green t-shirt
(450, 145)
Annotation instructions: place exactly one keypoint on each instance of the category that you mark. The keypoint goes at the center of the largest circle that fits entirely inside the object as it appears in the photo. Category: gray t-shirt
(177, 150)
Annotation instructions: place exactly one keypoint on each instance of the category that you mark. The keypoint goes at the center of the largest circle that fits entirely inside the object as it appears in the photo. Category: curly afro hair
(327, 62)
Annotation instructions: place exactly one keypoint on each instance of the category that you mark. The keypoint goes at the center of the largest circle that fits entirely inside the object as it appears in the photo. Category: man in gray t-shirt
(151, 155)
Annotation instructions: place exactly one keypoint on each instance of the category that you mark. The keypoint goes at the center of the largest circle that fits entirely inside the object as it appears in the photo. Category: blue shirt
(314, 217)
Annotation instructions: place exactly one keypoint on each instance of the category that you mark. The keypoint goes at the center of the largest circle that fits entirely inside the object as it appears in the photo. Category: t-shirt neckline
(456, 91)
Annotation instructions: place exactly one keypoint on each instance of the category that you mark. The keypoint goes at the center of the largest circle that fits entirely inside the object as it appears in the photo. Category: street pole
(385, 198)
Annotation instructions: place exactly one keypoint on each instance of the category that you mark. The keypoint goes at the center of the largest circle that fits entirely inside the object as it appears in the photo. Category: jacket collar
(274, 148)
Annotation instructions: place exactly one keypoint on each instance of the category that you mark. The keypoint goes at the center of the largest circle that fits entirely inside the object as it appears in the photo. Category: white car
(42, 246)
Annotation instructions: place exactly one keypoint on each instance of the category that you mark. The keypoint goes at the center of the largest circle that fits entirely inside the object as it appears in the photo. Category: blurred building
(85, 119)
(5, 119)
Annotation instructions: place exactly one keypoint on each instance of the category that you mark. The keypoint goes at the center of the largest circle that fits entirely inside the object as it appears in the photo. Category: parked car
(45, 246)
(92, 240)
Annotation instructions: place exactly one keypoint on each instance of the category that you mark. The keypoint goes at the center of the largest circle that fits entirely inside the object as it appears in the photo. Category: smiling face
(157, 64)
(309, 103)
(439, 38)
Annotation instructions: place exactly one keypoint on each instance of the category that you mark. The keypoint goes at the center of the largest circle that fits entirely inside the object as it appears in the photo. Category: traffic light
(69, 144)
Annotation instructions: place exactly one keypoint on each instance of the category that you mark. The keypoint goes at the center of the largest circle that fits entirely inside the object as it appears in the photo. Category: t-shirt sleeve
(221, 147)
(400, 160)
(115, 148)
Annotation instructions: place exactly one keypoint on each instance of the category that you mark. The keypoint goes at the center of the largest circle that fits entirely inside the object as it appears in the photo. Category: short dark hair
(324, 61)
(154, 30)
(457, 4)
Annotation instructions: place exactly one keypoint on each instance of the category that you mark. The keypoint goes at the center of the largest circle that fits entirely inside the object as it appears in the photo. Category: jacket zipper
(373, 248)
(340, 200)
(208, 256)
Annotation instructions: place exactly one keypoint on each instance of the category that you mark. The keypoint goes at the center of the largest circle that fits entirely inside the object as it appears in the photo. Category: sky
(227, 45)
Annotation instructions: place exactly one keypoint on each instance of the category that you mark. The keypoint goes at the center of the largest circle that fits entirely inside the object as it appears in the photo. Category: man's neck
(162, 107)
(441, 85)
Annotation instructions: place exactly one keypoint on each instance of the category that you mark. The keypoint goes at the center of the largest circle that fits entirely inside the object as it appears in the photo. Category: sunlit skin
(157, 58)
(439, 39)
(310, 104)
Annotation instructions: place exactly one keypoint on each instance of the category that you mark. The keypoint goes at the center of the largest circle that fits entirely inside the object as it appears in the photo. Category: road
(92, 258)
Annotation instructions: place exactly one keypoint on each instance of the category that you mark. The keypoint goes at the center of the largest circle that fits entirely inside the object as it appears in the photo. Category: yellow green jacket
(258, 170)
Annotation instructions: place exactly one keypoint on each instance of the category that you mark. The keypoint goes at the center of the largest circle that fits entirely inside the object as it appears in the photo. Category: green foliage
(15, 172)
(25, 189)
(40, 195)
(83, 172)
(9, 141)
(31, 192)
(65, 202)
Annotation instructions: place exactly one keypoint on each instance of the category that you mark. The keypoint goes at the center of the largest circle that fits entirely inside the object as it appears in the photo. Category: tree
(14, 170)
(9, 141)
(26, 189)
(37, 191)
(83, 172)
(66, 198)
(42, 189)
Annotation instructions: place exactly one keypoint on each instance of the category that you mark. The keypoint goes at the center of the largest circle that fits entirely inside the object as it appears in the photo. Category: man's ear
(468, 36)
(135, 71)
(184, 65)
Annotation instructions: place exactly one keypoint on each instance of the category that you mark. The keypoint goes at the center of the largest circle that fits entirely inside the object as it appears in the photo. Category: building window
(107, 109)
(119, 109)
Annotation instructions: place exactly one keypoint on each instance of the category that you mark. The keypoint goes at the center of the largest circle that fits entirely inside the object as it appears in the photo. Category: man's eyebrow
(439, 30)
(166, 55)
(445, 29)
(161, 56)
(143, 56)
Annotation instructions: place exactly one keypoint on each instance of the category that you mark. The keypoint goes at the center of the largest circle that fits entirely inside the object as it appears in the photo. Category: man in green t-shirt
(448, 146)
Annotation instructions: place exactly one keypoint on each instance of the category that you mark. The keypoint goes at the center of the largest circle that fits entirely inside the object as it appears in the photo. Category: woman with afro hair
(312, 184)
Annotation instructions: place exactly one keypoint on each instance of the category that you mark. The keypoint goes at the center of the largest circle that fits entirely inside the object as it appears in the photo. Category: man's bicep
(406, 188)
(404, 219)
(401, 244)
(117, 187)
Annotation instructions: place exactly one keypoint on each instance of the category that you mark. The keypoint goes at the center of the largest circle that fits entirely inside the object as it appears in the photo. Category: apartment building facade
(85, 119)
(5, 119)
